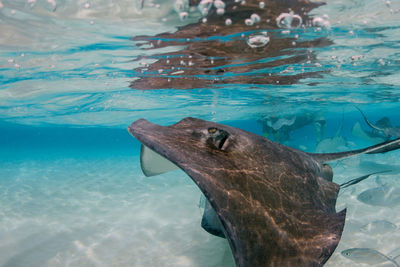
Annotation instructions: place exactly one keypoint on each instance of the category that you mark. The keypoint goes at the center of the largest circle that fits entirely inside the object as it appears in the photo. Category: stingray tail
(368, 122)
(375, 149)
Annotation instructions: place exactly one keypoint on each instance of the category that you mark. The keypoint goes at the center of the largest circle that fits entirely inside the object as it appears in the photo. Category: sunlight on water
(75, 74)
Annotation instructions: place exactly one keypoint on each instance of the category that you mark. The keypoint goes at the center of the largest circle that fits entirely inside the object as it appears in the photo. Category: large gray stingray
(276, 204)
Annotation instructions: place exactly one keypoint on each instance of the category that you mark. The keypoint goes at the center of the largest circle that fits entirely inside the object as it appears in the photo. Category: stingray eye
(218, 138)
(212, 130)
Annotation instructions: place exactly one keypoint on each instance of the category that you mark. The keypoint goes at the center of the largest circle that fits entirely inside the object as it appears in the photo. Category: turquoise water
(71, 189)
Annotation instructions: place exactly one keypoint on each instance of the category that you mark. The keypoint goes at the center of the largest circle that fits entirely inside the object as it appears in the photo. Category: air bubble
(87, 5)
(261, 4)
(183, 15)
(204, 6)
(228, 22)
(289, 20)
(321, 22)
(255, 18)
(220, 11)
(249, 22)
(219, 4)
(258, 40)
(356, 57)
(204, 20)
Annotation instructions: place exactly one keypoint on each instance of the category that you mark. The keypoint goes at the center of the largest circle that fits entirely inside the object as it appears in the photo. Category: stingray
(276, 204)
(383, 126)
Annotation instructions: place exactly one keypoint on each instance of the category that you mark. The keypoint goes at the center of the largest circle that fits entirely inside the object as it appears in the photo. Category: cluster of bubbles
(205, 5)
(321, 21)
(254, 18)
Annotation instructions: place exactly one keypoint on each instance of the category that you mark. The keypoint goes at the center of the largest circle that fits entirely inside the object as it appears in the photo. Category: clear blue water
(71, 189)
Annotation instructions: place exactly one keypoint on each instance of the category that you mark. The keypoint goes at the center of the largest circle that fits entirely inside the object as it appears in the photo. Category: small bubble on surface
(219, 4)
(248, 22)
(255, 18)
(356, 57)
(228, 22)
(183, 15)
(258, 40)
(289, 20)
(321, 22)
(204, 6)
(261, 4)
(220, 11)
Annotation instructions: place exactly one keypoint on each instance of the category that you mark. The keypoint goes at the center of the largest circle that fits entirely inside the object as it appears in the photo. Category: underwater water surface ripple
(75, 74)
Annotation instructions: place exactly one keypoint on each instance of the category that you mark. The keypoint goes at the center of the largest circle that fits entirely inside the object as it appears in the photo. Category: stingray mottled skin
(276, 204)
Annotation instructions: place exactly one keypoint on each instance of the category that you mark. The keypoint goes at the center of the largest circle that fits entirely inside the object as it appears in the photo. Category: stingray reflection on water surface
(210, 52)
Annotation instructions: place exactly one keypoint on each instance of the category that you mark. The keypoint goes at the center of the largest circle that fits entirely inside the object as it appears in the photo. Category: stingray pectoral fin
(311, 245)
(375, 149)
(210, 221)
(153, 163)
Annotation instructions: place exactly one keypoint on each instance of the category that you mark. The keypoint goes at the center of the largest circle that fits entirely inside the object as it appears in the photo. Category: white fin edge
(153, 163)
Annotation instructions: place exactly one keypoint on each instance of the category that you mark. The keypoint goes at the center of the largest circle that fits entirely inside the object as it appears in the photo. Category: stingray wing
(274, 209)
